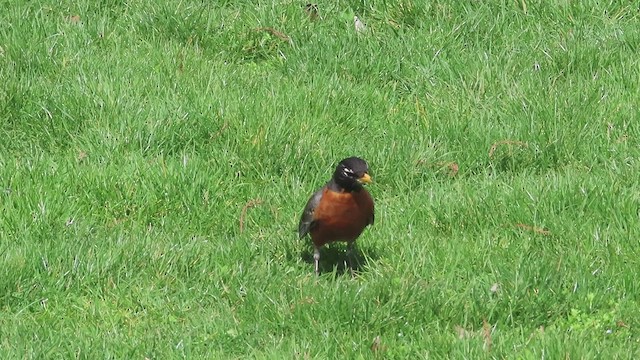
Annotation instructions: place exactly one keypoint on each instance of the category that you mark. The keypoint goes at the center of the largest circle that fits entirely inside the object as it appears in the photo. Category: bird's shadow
(334, 256)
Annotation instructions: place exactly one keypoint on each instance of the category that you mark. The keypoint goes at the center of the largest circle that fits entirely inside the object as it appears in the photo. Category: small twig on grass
(536, 230)
(495, 145)
(250, 203)
(219, 132)
(452, 166)
(280, 35)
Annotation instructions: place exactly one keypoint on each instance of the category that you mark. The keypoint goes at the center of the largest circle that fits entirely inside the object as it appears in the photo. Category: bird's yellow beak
(365, 179)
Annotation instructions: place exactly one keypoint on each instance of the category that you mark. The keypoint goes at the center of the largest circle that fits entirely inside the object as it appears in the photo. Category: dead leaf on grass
(486, 335)
(376, 346)
(462, 332)
(249, 204)
(496, 144)
(495, 288)
(621, 324)
(82, 155)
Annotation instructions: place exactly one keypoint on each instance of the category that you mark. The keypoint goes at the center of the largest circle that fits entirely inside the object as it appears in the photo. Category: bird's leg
(350, 254)
(316, 259)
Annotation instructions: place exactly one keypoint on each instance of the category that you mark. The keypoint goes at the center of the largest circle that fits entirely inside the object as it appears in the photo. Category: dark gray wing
(306, 220)
(372, 218)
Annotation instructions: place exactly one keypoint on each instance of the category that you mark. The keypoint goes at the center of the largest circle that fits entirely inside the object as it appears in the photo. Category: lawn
(155, 157)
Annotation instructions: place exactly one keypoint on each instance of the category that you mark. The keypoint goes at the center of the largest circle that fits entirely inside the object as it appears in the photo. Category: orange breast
(341, 216)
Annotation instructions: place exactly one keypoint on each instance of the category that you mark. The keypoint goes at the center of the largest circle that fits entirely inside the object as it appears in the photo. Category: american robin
(340, 210)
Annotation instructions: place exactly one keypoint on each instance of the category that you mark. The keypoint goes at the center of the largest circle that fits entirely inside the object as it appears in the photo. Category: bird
(340, 210)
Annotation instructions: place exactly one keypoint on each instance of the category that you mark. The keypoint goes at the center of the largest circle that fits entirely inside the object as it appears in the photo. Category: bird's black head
(351, 174)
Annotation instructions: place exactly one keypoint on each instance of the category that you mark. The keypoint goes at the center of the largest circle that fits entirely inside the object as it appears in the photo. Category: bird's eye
(348, 172)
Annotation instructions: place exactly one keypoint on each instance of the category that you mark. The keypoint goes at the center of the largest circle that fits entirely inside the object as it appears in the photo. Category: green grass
(135, 135)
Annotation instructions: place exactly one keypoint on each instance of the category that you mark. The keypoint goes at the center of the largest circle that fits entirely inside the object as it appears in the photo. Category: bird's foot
(316, 260)
(351, 259)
